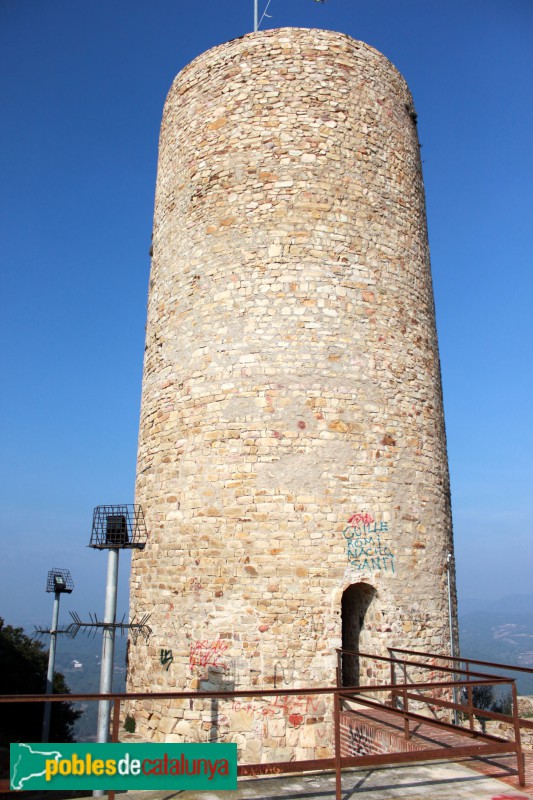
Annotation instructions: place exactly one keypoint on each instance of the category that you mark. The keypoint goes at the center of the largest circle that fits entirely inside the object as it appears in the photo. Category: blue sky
(82, 86)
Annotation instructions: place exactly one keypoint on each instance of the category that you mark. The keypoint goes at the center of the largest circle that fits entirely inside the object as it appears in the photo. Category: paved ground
(431, 781)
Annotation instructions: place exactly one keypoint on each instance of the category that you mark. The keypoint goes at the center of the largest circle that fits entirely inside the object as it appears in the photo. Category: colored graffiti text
(364, 547)
(166, 657)
(207, 653)
(356, 519)
(292, 708)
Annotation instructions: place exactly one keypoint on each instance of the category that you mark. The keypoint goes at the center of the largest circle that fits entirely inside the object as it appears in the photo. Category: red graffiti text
(207, 654)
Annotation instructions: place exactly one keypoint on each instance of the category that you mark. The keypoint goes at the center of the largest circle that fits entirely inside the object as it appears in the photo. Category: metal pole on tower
(256, 14)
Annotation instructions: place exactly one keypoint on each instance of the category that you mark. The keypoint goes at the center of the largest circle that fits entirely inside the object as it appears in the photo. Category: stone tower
(292, 459)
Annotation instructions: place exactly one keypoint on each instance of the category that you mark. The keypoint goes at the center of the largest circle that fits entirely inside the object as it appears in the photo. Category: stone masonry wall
(291, 437)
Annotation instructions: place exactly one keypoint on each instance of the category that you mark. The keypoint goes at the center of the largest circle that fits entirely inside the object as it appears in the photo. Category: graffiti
(366, 519)
(166, 657)
(363, 543)
(357, 741)
(259, 769)
(207, 654)
(292, 708)
(296, 720)
(357, 531)
(508, 797)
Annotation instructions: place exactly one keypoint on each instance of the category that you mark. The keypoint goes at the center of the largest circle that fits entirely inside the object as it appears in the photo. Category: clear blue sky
(82, 87)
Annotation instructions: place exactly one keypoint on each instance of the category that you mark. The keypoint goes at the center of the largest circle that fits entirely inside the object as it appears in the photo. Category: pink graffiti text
(366, 519)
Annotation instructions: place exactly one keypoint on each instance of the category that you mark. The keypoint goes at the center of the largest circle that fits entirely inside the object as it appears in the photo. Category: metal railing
(397, 698)
(402, 692)
(462, 666)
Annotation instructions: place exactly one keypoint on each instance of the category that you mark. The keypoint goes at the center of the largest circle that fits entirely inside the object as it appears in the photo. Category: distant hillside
(85, 679)
(512, 603)
(501, 632)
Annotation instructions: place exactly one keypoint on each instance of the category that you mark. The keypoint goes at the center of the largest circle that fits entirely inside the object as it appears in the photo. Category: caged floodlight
(120, 527)
(59, 580)
(115, 528)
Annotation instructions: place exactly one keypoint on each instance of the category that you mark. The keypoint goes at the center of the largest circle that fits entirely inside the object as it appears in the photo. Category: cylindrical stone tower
(292, 460)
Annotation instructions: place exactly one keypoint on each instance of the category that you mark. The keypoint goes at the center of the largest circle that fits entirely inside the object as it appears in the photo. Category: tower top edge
(319, 37)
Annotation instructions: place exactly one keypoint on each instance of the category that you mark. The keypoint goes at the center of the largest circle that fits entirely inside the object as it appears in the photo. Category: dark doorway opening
(356, 600)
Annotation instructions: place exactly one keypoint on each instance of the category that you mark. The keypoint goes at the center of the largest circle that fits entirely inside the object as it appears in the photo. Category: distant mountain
(514, 603)
(501, 632)
(469, 604)
(521, 603)
(79, 661)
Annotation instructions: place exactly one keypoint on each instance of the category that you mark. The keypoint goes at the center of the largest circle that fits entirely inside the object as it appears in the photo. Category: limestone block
(241, 721)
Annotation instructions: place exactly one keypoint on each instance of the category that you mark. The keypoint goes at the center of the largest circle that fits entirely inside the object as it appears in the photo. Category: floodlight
(115, 528)
(116, 532)
(120, 526)
(59, 580)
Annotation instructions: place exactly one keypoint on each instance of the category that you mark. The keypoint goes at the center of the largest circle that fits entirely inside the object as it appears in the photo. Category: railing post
(455, 694)
(393, 682)
(518, 739)
(116, 719)
(337, 736)
(469, 698)
(406, 715)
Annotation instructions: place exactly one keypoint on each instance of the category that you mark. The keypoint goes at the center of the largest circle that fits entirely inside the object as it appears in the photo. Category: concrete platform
(429, 781)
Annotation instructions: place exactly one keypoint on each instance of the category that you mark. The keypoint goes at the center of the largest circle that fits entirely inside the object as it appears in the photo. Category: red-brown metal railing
(460, 660)
(344, 697)
(415, 691)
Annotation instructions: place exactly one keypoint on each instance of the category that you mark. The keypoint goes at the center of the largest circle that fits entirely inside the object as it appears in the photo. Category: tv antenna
(258, 21)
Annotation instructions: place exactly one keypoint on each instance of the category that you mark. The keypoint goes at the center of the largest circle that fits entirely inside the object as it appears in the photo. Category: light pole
(114, 528)
(59, 582)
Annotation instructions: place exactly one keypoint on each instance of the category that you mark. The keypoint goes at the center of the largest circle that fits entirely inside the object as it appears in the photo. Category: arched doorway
(356, 600)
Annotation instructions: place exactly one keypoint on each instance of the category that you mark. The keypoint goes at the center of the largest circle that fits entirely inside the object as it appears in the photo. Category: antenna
(257, 21)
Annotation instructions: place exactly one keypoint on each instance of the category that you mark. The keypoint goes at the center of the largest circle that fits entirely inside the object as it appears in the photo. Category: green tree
(484, 698)
(23, 668)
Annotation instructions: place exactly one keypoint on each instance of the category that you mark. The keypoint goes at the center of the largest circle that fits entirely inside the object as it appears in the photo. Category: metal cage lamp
(115, 528)
(59, 580)
(120, 526)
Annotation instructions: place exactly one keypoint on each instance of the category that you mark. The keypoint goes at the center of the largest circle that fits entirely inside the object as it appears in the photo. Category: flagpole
(256, 14)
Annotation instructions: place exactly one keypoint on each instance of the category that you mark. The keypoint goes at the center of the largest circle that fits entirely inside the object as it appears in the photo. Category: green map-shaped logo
(124, 766)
